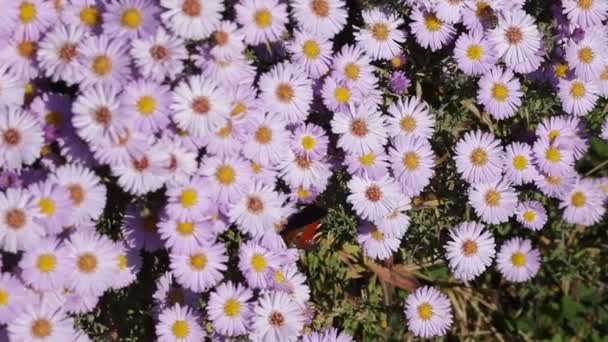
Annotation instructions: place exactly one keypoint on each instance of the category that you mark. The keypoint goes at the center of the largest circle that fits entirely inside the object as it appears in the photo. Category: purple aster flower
(531, 214)
(21, 138)
(381, 36)
(474, 53)
(500, 93)
(179, 323)
(517, 260)
(19, 228)
(373, 199)
(54, 205)
(430, 31)
(494, 202)
(192, 19)
(375, 243)
(428, 312)
(412, 161)
(105, 61)
(34, 18)
(583, 204)
(131, 19)
(257, 263)
(159, 55)
(45, 266)
(479, 157)
(276, 317)
(13, 297)
(230, 308)
(518, 165)
(470, 250)
(578, 97)
(399, 82)
(200, 268)
(373, 165)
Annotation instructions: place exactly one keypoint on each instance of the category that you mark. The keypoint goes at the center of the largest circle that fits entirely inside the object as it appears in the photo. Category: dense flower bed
(153, 152)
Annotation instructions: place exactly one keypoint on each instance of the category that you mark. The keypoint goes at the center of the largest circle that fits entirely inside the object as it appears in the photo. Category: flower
(312, 51)
(372, 165)
(191, 200)
(35, 17)
(20, 138)
(376, 244)
(230, 308)
(517, 40)
(518, 164)
(500, 93)
(399, 82)
(517, 260)
(410, 116)
(59, 51)
(587, 56)
(531, 214)
(585, 13)
(105, 61)
(276, 318)
(87, 193)
(578, 97)
(257, 263)
(179, 323)
(91, 260)
(54, 205)
(231, 176)
(373, 199)
(192, 19)
(13, 297)
(288, 279)
(479, 157)
(584, 203)
(20, 56)
(412, 161)
(329, 335)
(84, 14)
(198, 106)
(322, 17)
(338, 94)
(380, 37)
(309, 140)
(428, 312)
(470, 250)
(12, 89)
(266, 140)
(42, 323)
(200, 268)
(297, 170)
(568, 130)
(430, 31)
(474, 54)
(494, 201)
(147, 103)
(19, 228)
(159, 55)
(287, 91)
(129, 264)
(553, 157)
(353, 65)
(262, 20)
(555, 186)
(44, 266)
(130, 19)
(257, 209)
(361, 129)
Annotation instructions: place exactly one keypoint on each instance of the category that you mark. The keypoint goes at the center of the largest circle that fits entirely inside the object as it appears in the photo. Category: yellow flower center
(578, 199)
(554, 134)
(561, 70)
(146, 105)
(585, 4)
(500, 91)
(87, 262)
(4, 297)
(303, 193)
(479, 157)
(256, 167)
(368, 159)
(492, 198)
(185, 228)
(311, 49)
(425, 311)
(47, 206)
(198, 261)
(188, 198)
(529, 216)
(279, 276)
(225, 131)
(263, 18)
(180, 329)
(342, 94)
(239, 108)
(90, 16)
(380, 31)
(577, 90)
(132, 18)
(102, 65)
(122, 262)
(27, 12)
(520, 162)
(553, 155)
(42, 328)
(475, 52)
(411, 161)
(352, 71)
(232, 307)
(469, 248)
(586, 55)
(263, 135)
(432, 23)
(396, 62)
(604, 75)
(285, 93)
(258, 262)
(46, 262)
(27, 49)
(309, 142)
(225, 174)
(378, 235)
(518, 259)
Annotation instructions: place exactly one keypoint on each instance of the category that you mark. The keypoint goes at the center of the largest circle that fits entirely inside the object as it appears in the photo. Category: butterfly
(302, 228)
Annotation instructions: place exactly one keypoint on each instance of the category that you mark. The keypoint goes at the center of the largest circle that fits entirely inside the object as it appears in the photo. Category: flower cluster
(213, 119)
